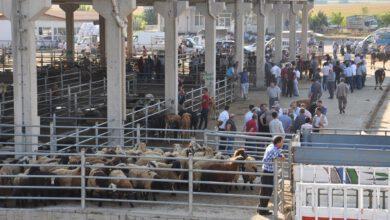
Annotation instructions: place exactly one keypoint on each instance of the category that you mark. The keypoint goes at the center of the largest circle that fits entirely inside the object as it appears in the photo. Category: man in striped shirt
(272, 152)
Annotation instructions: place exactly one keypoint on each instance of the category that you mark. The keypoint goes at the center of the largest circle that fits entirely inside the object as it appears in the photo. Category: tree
(337, 19)
(150, 16)
(139, 22)
(85, 8)
(385, 19)
(318, 22)
(365, 11)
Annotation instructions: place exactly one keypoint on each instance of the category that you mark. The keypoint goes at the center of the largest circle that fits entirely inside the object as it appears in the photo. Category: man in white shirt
(347, 57)
(222, 119)
(325, 73)
(248, 116)
(348, 72)
(276, 126)
(277, 73)
(354, 69)
(319, 120)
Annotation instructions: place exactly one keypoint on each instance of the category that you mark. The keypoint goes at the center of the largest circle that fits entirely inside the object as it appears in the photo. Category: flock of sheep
(122, 174)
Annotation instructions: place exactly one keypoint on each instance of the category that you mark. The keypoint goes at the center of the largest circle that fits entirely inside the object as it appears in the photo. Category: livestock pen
(191, 177)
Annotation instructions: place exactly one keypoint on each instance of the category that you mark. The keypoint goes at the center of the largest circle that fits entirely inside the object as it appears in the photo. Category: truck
(362, 22)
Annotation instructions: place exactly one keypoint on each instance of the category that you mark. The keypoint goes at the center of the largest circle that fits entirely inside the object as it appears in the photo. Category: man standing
(272, 152)
(341, 95)
(325, 74)
(348, 72)
(315, 92)
(248, 115)
(313, 66)
(222, 119)
(276, 126)
(290, 80)
(276, 74)
(251, 128)
(206, 101)
(244, 79)
(286, 121)
(331, 83)
(299, 120)
(319, 121)
(273, 92)
(230, 127)
(335, 49)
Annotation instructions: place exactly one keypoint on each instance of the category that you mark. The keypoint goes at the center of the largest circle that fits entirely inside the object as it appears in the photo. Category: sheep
(121, 183)
(172, 122)
(229, 165)
(185, 124)
(167, 174)
(143, 172)
(249, 167)
(25, 180)
(98, 183)
(69, 181)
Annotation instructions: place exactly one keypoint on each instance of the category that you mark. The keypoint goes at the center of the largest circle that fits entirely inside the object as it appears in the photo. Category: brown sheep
(185, 125)
(167, 174)
(98, 183)
(121, 183)
(143, 172)
(249, 167)
(68, 181)
(229, 165)
(172, 122)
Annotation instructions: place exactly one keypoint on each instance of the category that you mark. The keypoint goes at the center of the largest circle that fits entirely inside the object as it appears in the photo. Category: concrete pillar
(292, 28)
(130, 36)
(259, 10)
(23, 15)
(115, 31)
(305, 27)
(210, 11)
(304, 35)
(102, 44)
(240, 10)
(170, 10)
(69, 10)
(278, 32)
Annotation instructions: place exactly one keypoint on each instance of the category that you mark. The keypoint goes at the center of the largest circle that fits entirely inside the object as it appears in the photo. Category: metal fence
(203, 175)
(347, 192)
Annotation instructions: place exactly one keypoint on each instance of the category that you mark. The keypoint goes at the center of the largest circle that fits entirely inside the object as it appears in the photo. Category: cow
(379, 77)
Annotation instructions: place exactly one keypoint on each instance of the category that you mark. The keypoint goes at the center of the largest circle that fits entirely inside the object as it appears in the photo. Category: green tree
(150, 16)
(365, 11)
(337, 19)
(318, 22)
(85, 8)
(385, 19)
(139, 22)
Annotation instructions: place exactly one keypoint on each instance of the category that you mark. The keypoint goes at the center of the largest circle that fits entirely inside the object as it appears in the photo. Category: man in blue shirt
(272, 152)
(244, 79)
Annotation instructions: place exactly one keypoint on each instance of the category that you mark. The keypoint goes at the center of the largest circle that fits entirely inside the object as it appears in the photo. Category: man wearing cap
(230, 127)
(272, 152)
(222, 119)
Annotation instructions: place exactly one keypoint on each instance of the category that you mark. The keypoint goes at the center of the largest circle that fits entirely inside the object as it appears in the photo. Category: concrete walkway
(360, 105)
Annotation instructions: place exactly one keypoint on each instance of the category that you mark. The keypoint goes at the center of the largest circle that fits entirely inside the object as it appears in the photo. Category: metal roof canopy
(344, 150)
(191, 2)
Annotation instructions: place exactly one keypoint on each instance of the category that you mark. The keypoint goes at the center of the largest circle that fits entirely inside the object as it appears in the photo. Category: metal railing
(342, 192)
(194, 184)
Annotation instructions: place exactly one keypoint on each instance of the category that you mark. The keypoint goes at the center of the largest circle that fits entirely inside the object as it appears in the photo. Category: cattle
(379, 77)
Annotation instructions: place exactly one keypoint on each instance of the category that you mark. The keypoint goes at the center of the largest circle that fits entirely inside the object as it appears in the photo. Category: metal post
(276, 179)
(192, 100)
(69, 100)
(51, 101)
(53, 139)
(190, 184)
(138, 133)
(62, 82)
(45, 79)
(83, 179)
(146, 122)
(104, 85)
(90, 93)
(80, 80)
(77, 139)
(282, 186)
(75, 103)
(96, 134)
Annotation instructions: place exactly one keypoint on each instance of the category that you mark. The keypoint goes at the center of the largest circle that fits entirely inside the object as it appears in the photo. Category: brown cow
(186, 125)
